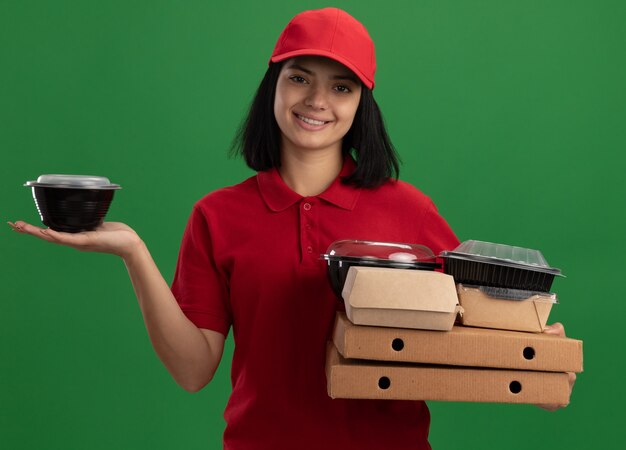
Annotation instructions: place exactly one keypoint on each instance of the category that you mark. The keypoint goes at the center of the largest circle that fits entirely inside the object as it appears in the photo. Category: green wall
(509, 114)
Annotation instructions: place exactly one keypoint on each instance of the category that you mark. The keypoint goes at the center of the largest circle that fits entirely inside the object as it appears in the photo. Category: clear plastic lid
(72, 182)
(500, 254)
(386, 251)
(513, 294)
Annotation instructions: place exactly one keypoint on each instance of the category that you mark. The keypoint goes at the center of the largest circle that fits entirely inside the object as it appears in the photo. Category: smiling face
(316, 100)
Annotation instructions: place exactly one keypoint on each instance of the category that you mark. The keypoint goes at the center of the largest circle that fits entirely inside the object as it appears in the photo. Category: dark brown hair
(258, 137)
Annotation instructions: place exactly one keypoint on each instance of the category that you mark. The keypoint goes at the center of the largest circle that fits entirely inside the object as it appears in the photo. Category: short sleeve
(436, 231)
(199, 287)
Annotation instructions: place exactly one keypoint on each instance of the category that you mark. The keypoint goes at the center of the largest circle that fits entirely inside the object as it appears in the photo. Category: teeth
(310, 121)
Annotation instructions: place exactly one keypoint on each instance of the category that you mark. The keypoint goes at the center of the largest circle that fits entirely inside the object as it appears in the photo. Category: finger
(25, 228)
(76, 240)
(14, 227)
(551, 407)
(556, 328)
(17, 226)
(20, 225)
(571, 379)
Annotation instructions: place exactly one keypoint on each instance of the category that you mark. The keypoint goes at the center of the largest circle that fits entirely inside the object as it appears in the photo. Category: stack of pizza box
(402, 337)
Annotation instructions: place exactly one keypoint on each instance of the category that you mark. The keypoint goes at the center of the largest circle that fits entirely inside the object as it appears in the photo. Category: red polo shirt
(250, 260)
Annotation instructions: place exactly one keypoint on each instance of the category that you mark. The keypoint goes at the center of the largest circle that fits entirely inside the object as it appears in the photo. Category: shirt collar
(278, 196)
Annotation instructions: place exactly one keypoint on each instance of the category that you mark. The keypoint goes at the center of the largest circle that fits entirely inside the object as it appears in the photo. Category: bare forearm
(180, 345)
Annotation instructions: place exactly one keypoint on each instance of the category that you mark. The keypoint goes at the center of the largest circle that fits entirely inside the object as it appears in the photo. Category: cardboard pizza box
(461, 346)
(362, 379)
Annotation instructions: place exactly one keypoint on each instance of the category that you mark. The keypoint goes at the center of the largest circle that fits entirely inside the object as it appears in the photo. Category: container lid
(72, 182)
(502, 255)
(379, 252)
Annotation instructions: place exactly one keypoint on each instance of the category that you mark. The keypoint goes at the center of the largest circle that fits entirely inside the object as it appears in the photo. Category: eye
(343, 89)
(297, 79)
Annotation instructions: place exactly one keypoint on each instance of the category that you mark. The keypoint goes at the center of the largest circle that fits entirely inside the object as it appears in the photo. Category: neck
(310, 173)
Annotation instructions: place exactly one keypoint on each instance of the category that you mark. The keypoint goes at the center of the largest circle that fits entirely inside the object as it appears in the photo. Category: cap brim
(316, 52)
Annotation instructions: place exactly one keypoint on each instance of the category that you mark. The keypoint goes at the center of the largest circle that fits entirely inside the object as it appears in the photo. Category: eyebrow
(349, 77)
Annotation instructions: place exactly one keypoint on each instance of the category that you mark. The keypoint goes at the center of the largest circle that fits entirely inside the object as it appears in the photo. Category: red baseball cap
(332, 33)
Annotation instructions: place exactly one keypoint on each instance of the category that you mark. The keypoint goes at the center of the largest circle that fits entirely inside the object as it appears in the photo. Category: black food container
(72, 203)
(341, 255)
(498, 265)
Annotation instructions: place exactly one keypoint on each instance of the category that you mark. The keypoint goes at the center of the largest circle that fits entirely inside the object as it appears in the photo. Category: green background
(509, 114)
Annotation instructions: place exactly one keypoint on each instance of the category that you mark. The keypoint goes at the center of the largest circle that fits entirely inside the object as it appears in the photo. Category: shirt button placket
(306, 225)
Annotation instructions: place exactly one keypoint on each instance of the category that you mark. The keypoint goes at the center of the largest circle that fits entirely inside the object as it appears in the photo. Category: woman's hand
(558, 330)
(111, 237)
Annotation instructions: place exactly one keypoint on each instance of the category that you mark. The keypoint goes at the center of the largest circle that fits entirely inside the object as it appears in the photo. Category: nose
(317, 98)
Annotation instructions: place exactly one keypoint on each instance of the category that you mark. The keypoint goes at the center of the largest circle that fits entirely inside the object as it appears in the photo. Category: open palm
(111, 237)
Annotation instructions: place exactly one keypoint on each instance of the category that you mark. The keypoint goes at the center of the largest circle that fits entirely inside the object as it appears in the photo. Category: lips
(311, 121)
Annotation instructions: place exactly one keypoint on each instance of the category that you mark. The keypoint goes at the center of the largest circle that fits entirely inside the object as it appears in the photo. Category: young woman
(249, 259)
